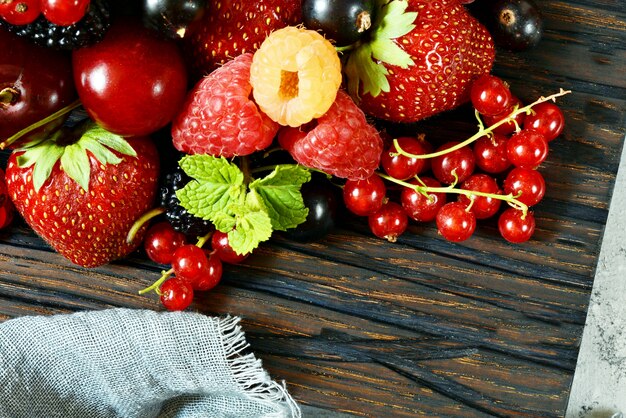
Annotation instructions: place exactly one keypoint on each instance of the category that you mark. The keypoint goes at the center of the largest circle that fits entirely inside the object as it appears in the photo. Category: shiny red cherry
(132, 82)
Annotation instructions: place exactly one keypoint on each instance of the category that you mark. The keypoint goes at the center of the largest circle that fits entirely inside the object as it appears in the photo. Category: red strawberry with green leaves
(420, 59)
(229, 28)
(82, 196)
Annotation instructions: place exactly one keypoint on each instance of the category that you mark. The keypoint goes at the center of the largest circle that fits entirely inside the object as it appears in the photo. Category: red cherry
(21, 12)
(547, 119)
(189, 263)
(528, 184)
(161, 241)
(132, 82)
(389, 222)
(212, 275)
(490, 95)
(176, 295)
(364, 197)
(527, 148)
(508, 127)
(402, 167)
(490, 153)
(483, 207)
(455, 223)
(64, 12)
(221, 246)
(460, 161)
(419, 207)
(515, 227)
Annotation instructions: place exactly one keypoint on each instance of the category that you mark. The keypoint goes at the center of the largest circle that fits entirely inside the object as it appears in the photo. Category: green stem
(203, 240)
(143, 219)
(481, 132)
(154, 286)
(509, 198)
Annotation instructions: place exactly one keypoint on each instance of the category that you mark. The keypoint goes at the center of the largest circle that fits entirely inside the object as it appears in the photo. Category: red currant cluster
(24, 12)
(193, 267)
(6, 206)
(511, 143)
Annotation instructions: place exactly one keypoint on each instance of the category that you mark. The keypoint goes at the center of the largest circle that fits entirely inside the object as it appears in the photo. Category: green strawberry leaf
(365, 67)
(280, 193)
(45, 164)
(216, 185)
(108, 139)
(75, 163)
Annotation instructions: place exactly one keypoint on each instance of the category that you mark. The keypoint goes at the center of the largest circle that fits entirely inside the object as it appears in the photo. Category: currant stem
(509, 198)
(482, 130)
(165, 274)
(202, 240)
(143, 219)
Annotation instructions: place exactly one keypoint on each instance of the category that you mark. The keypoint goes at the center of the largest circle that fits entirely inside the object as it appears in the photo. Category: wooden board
(421, 326)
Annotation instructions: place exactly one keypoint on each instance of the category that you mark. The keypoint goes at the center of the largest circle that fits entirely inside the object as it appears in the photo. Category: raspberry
(341, 142)
(295, 76)
(219, 118)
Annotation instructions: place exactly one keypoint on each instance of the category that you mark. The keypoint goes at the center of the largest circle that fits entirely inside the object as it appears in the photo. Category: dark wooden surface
(422, 326)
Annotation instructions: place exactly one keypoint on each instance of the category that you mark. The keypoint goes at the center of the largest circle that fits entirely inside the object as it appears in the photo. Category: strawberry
(83, 198)
(229, 28)
(420, 60)
(219, 116)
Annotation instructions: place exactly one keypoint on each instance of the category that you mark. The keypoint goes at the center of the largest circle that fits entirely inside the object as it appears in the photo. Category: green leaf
(45, 164)
(280, 194)
(388, 51)
(362, 70)
(109, 139)
(223, 221)
(253, 226)
(75, 163)
(102, 153)
(395, 21)
(216, 185)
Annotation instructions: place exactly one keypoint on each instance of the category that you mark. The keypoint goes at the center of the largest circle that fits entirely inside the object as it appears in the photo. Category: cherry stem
(509, 198)
(165, 274)
(7, 142)
(482, 131)
(143, 219)
(8, 95)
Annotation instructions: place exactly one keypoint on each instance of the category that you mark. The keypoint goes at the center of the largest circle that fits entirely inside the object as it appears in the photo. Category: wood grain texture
(422, 326)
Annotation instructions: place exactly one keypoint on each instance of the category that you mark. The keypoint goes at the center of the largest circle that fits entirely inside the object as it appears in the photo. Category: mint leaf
(216, 185)
(253, 226)
(280, 194)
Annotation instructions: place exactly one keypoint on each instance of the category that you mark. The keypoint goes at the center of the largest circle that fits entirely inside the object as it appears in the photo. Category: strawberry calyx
(365, 65)
(72, 153)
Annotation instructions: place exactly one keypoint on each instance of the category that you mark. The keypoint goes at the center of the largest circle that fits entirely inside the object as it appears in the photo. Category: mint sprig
(248, 210)
(365, 66)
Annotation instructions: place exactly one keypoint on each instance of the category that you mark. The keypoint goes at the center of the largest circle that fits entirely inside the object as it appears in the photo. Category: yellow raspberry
(295, 76)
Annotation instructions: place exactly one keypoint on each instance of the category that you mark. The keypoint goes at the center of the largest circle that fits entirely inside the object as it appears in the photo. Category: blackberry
(178, 217)
(89, 30)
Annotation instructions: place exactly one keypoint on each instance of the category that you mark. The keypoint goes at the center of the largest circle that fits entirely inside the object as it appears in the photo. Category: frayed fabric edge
(249, 374)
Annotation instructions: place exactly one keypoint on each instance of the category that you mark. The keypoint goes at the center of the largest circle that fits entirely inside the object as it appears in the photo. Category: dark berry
(344, 21)
(89, 30)
(516, 24)
(171, 17)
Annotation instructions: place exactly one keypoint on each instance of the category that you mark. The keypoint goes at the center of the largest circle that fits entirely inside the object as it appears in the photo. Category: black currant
(320, 196)
(516, 24)
(343, 21)
(171, 17)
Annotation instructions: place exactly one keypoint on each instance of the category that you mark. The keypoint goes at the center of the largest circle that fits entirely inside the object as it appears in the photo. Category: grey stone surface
(599, 386)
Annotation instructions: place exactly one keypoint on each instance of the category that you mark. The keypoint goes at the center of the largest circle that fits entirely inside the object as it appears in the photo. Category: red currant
(419, 207)
(483, 207)
(490, 153)
(455, 223)
(221, 246)
(508, 127)
(176, 295)
(528, 184)
(389, 222)
(460, 162)
(402, 167)
(190, 263)
(364, 197)
(161, 241)
(527, 148)
(515, 227)
(547, 118)
(212, 275)
(490, 95)
(21, 12)
(64, 12)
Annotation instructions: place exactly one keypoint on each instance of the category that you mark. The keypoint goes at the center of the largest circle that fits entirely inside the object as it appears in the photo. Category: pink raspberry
(219, 117)
(341, 142)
